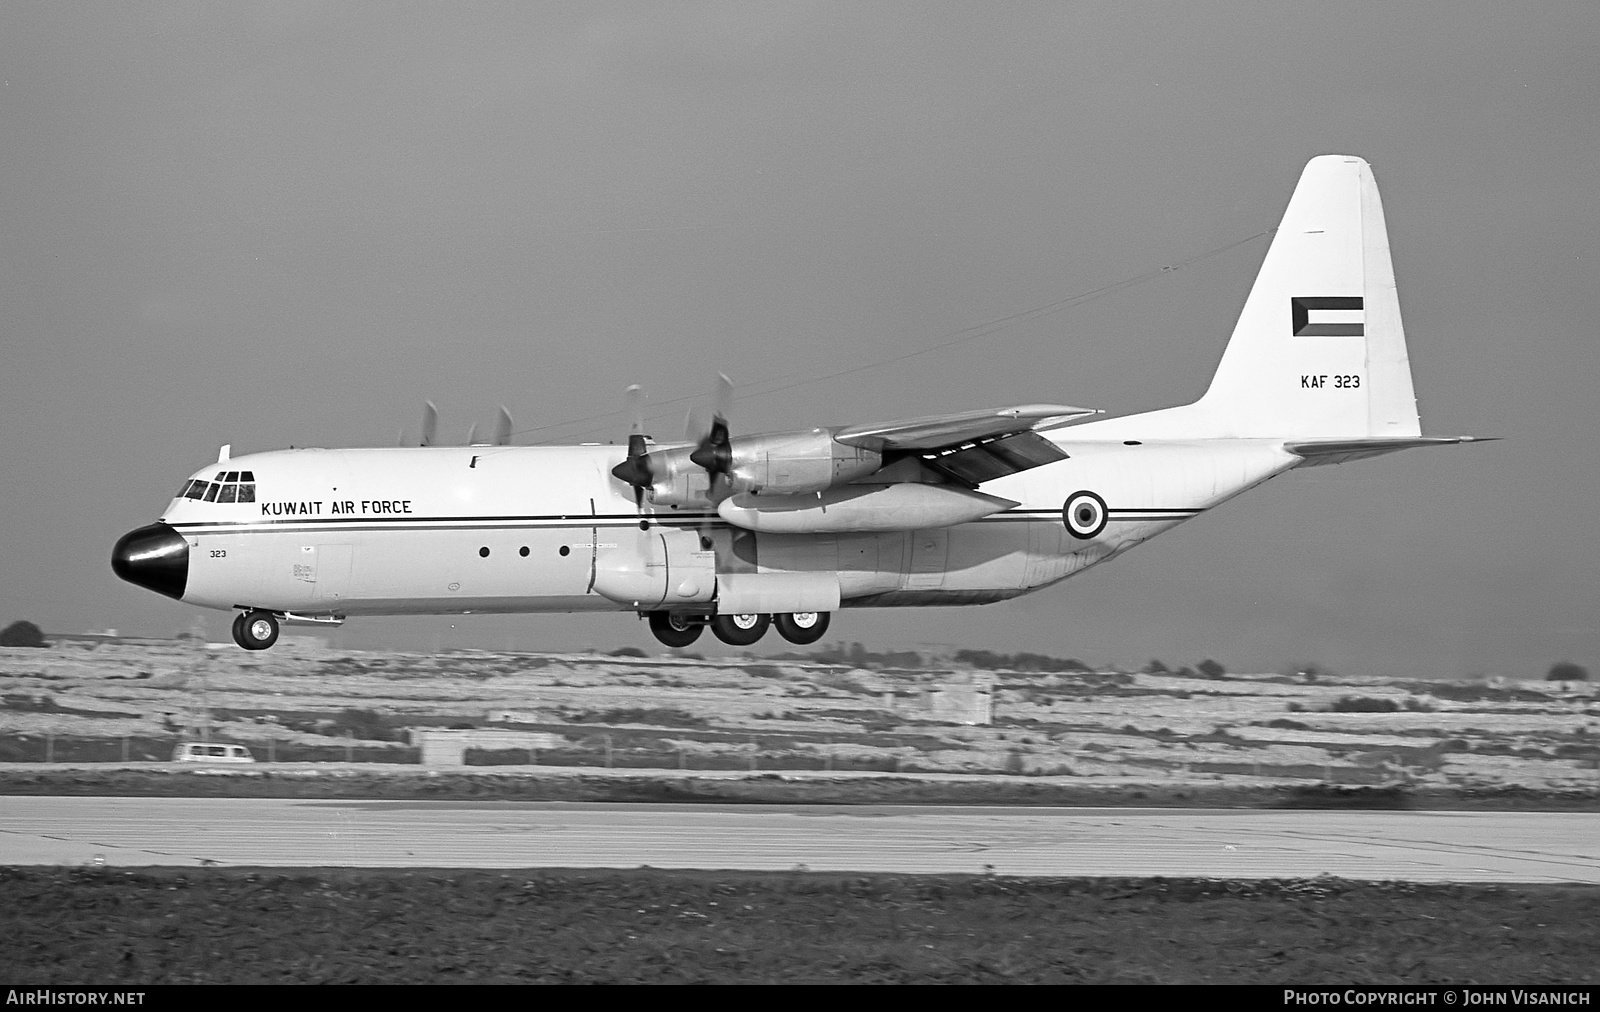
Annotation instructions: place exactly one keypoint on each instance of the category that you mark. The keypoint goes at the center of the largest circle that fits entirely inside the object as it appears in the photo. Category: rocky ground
(97, 700)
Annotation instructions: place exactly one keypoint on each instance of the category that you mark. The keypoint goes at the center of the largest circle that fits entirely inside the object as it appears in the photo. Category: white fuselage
(456, 530)
(1316, 372)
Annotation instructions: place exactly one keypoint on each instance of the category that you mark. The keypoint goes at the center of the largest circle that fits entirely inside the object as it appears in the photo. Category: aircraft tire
(802, 627)
(674, 630)
(256, 630)
(740, 630)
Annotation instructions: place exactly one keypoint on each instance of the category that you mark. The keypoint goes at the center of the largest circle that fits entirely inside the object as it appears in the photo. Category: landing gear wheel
(255, 630)
(740, 630)
(674, 630)
(802, 626)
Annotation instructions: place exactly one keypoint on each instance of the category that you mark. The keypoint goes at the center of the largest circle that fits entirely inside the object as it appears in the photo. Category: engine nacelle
(677, 480)
(793, 463)
(781, 463)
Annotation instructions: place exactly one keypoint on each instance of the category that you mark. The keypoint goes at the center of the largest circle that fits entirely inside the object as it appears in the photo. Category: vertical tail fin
(1319, 349)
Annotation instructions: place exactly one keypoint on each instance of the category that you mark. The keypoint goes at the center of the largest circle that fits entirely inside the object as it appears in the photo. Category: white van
(210, 752)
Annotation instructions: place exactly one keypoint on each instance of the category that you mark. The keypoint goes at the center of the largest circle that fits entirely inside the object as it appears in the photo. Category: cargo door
(331, 572)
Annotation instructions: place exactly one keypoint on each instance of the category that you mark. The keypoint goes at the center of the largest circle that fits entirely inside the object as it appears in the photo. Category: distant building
(441, 747)
(968, 700)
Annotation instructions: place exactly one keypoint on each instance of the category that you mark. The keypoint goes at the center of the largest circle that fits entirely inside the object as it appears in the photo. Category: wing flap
(986, 460)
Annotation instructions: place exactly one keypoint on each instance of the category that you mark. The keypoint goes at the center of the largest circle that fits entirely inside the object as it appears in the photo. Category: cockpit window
(230, 486)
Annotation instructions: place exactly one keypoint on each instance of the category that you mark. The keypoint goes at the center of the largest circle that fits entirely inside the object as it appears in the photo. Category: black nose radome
(155, 557)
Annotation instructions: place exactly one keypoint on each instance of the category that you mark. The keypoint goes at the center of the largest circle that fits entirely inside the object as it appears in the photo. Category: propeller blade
(635, 470)
(635, 398)
(430, 423)
(715, 452)
(722, 396)
(502, 428)
(472, 435)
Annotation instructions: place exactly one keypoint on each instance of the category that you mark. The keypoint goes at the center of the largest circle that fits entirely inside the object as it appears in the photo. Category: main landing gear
(802, 627)
(675, 630)
(678, 630)
(255, 630)
(740, 630)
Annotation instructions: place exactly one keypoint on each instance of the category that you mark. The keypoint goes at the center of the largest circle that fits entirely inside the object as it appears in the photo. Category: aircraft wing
(969, 447)
(938, 432)
(1317, 452)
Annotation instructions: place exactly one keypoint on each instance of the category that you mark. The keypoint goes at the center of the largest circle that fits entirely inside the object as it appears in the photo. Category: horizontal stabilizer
(1317, 452)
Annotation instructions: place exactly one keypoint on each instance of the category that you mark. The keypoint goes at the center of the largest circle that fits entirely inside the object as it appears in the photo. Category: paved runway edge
(587, 783)
(1547, 847)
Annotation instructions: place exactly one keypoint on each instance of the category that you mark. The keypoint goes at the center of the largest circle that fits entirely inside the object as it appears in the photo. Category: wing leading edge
(938, 432)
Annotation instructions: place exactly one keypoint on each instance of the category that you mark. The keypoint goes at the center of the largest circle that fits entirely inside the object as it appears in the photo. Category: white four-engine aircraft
(742, 532)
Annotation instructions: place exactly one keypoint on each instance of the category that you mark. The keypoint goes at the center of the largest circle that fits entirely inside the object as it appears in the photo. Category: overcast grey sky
(292, 223)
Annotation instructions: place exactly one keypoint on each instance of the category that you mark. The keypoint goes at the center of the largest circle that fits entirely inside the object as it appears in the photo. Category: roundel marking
(1084, 514)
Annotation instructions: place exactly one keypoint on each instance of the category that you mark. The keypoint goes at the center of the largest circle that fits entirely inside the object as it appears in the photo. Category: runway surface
(1414, 846)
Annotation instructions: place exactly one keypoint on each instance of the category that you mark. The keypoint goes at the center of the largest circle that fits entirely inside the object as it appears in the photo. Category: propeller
(715, 452)
(502, 431)
(635, 470)
(430, 429)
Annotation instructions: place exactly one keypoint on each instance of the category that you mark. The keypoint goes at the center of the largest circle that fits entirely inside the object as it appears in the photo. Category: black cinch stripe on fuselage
(1146, 514)
(604, 520)
(1112, 515)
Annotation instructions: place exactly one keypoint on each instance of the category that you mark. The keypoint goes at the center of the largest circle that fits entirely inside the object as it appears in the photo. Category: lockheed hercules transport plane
(739, 532)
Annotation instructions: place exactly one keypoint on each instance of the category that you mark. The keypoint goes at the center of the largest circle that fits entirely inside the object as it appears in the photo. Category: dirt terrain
(241, 926)
(100, 716)
(1057, 736)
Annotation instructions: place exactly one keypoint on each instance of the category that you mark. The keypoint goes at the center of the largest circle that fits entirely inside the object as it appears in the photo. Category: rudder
(1319, 349)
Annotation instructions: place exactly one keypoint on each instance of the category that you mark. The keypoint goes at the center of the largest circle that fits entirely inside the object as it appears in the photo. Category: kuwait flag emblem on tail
(1328, 316)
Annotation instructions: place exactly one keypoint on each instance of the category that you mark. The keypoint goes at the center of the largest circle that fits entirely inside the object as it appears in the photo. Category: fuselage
(460, 530)
(963, 508)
